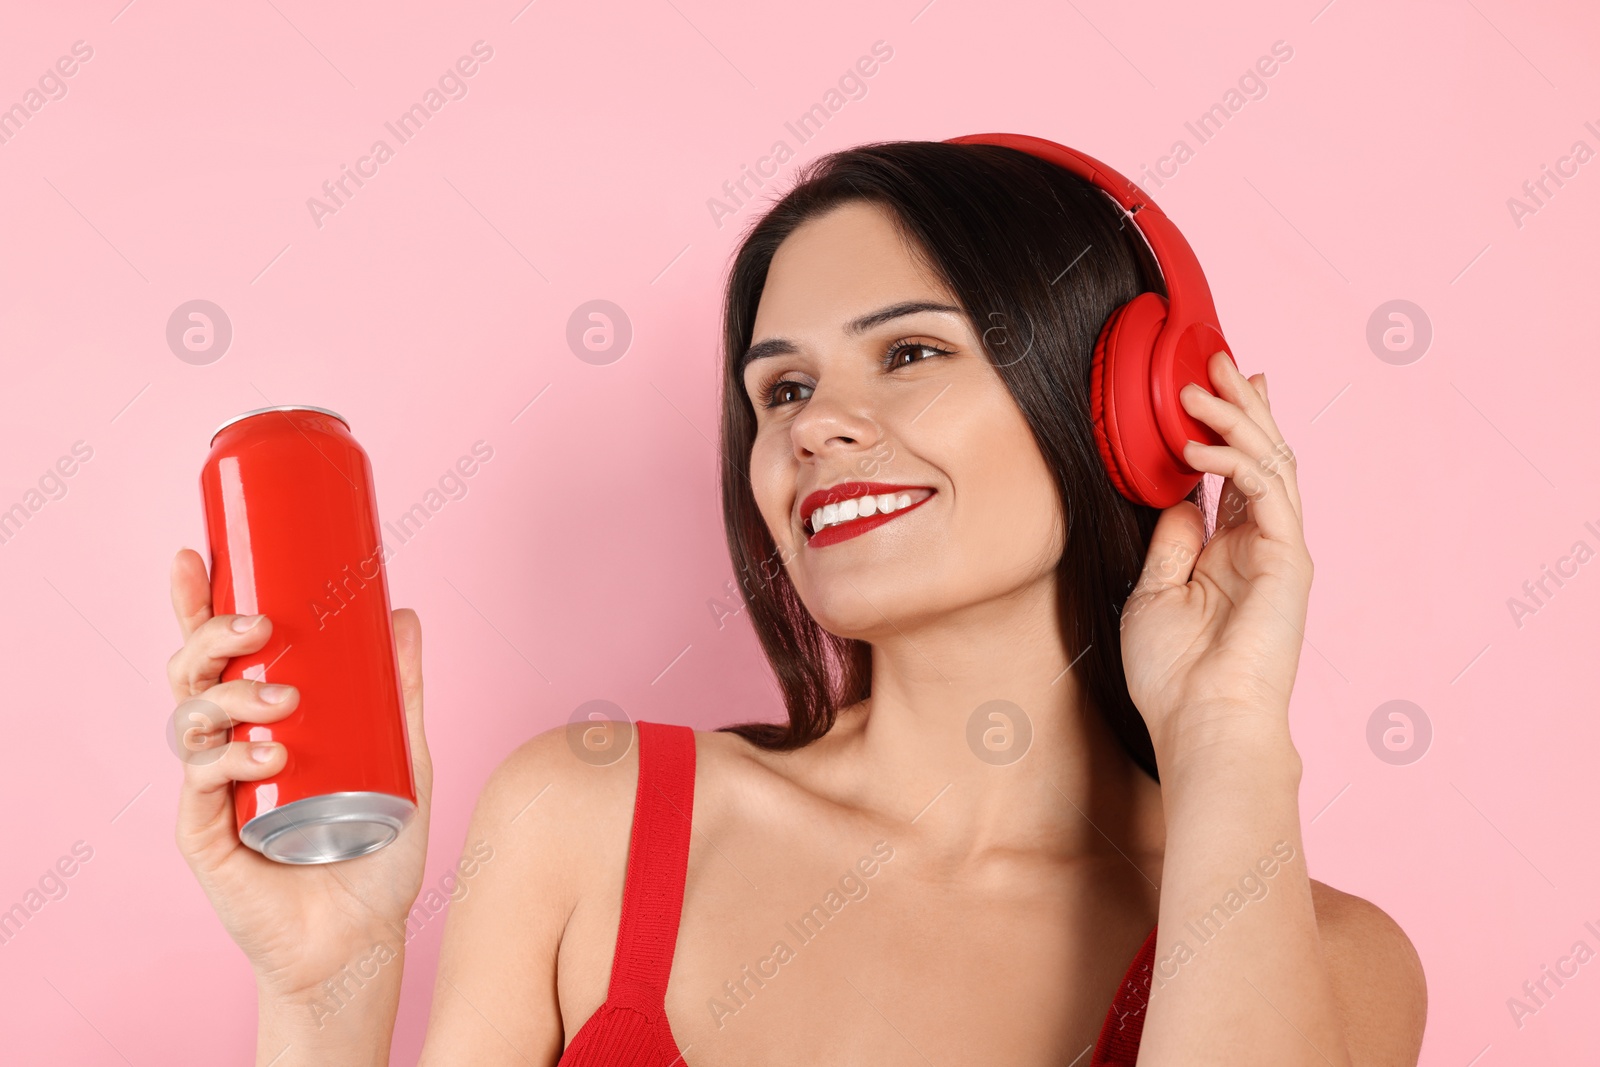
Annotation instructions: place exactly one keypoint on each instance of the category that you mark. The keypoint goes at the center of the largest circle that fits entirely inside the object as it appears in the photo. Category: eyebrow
(782, 346)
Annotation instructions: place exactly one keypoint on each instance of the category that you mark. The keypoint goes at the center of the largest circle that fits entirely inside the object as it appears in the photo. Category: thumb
(408, 648)
(1174, 546)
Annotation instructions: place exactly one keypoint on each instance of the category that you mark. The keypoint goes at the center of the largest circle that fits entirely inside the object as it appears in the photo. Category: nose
(834, 423)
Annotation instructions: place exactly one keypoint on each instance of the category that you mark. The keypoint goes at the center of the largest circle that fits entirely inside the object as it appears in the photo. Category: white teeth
(865, 507)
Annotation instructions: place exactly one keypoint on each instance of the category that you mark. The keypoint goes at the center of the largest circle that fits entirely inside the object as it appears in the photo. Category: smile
(853, 508)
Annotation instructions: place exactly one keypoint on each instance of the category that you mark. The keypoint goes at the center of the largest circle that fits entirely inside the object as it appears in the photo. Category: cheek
(1008, 514)
(772, 480)
(1023, 490)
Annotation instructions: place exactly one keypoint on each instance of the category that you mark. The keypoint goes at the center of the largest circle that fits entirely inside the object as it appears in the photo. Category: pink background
(433, 307)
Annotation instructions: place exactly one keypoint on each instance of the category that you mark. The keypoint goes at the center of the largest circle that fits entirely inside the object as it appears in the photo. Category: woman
(957, 849)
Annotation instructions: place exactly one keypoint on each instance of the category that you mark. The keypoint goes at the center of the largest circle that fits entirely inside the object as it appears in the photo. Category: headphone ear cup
(1100, 403)
(1136, 455)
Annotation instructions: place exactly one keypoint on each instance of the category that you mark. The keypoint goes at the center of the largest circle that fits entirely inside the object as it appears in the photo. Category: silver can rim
(372, 809)
(279, 407)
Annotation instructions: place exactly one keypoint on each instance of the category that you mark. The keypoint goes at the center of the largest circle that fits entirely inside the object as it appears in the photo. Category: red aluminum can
(292, 521)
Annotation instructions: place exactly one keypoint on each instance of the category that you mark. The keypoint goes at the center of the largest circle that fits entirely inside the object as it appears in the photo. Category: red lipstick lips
(849, 491)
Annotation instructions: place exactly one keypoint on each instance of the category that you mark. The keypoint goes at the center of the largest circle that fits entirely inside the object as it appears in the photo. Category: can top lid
(280, 407)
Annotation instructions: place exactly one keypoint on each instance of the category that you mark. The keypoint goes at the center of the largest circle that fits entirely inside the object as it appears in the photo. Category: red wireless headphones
(1148, 349)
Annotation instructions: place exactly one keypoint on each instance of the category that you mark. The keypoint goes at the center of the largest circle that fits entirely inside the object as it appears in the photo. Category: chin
(865, 610)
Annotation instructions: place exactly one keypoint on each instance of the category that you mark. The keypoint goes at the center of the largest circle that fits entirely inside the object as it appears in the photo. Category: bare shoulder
(558, 812)
(560, 805)
(1377, 975)
(562, 801)
(551, 821)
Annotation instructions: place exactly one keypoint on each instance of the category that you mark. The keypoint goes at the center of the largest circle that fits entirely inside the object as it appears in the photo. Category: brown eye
(781, 392)
(771, 395)
(891, 358)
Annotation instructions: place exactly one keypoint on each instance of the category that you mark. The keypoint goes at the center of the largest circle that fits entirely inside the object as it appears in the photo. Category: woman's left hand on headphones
(1211, 633)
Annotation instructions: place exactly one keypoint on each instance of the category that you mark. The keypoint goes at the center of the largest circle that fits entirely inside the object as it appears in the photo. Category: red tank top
(630, 1029)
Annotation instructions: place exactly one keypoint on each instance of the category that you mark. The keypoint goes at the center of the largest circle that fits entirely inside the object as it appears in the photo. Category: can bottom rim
(328, 828)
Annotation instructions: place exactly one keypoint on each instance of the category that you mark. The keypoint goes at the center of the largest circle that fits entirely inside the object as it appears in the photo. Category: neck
(978, 728)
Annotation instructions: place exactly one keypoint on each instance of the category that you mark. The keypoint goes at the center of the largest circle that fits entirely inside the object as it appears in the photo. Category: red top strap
(1119, 1035)
(658, 857)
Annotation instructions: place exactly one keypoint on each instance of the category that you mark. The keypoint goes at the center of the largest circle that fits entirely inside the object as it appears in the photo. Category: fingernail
(261, 753)
(275, 694)
(244, 622)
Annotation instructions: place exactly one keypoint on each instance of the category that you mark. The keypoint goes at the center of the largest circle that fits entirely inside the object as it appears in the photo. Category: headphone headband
(1188, 294)
(1149, 348)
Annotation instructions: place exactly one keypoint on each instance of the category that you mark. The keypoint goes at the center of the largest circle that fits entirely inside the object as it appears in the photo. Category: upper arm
(494, 999)
(1377, 977)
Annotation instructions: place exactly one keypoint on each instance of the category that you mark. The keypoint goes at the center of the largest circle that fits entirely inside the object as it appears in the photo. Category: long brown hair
(1037, 258)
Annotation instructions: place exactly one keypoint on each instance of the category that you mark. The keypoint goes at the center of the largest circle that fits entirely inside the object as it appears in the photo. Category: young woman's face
(847, 390)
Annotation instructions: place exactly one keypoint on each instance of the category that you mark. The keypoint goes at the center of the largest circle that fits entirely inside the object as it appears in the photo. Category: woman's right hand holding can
(305, 928)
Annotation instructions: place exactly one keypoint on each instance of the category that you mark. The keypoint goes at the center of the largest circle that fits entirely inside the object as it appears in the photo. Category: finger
(408, 647)
(191, 591)
(1284, 459)
(206, 832)
(1238, 430)
(1268, 500)
(1174, 546)
(1263, 413)
(201, 724)
(198, 665)
(1249, 393)
(1233, 504)
(1250, 396)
